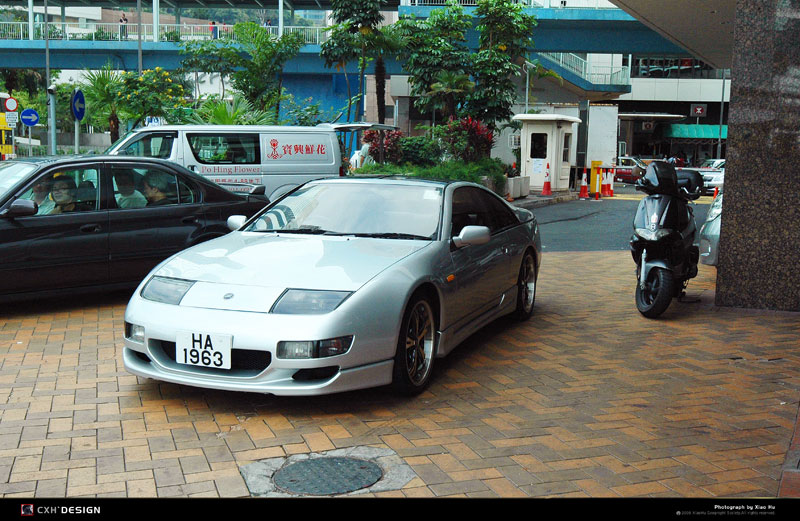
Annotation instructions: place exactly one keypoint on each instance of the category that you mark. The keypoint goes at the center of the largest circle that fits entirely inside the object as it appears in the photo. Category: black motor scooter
(663, 236)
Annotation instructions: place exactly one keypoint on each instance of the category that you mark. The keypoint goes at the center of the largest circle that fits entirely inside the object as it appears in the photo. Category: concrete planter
(525, 189)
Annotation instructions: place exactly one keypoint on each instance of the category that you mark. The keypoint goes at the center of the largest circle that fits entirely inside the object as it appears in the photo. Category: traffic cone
(611, 183)
(604, 185)
(716, 191)
(584, 187)
(546, 189)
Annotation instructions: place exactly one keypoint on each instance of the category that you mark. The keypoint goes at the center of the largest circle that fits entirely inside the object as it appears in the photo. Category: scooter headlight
(652, 235)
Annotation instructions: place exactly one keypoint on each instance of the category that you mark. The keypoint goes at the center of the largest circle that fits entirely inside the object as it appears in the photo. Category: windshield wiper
(392, 235)
(310, 230)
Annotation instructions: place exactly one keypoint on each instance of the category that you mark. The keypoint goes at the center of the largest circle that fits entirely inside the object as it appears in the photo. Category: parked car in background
(713, 178)
(713, 163)
(629, 169)
(308, 299)
(68, 224)
(709, 233)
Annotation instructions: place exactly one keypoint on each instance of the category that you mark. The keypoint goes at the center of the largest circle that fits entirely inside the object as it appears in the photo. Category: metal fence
(547, 4)
(130, 32)
(599, 75)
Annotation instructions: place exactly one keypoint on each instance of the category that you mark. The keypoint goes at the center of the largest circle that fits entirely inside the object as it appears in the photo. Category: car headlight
(716, 209)
(166, 290)
(652, 235)
(314, 349)
(308, 302)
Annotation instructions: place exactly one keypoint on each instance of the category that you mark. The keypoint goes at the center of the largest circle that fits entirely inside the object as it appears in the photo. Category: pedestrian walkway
(586, 399)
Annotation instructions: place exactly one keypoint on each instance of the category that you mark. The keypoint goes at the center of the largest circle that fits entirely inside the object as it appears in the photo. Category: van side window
(225, 148)
(150, 145)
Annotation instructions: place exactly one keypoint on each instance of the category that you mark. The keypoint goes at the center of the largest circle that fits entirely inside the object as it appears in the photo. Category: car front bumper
(368, 362)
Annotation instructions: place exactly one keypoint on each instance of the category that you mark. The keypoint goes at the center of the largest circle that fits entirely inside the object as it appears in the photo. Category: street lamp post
(51, 91)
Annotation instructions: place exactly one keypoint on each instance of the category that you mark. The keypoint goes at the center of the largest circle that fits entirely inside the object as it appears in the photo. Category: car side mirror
(472, 236)
(21, 208)
(235, 222)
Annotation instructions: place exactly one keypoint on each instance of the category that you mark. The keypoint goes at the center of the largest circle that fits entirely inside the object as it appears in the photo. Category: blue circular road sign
(78, 105)
(29, 117)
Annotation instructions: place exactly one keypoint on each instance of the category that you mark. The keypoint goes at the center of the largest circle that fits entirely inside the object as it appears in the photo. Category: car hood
(258, 267)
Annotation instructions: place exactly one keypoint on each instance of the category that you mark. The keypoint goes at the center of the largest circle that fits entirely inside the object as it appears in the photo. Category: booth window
(567, 142)
(538, 146)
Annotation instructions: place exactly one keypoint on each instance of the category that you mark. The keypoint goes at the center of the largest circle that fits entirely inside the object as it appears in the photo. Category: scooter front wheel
(655, 297)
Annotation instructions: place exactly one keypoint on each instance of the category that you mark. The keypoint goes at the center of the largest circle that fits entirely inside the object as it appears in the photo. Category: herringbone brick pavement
(587, 398)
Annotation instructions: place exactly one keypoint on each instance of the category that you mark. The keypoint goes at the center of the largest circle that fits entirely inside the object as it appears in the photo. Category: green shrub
(474, 172)
(391, 148)
(420, 150)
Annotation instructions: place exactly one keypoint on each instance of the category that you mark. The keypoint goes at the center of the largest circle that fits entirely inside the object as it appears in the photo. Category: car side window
(225, 148)
(150, 145)
(189, 192)
(65, 191)
(501, 215)
(128, 187)
(468, 210)
(159, 187)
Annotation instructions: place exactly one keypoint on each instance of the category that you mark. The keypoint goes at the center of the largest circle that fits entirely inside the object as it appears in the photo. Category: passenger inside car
(40, 194)
(65, 196)
(158, 189)
(126, 194)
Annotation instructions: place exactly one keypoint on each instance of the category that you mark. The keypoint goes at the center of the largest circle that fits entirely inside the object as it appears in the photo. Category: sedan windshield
(12, 173)
(389, 211)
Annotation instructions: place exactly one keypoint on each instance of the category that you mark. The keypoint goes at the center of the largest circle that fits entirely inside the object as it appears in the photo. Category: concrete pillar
(178, 15)
(280, 17)
(156, 21)
(30, 19)
(64, 20)
(760, 236)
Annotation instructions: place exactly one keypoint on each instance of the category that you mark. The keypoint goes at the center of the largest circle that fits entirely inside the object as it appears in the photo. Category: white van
(240, 157)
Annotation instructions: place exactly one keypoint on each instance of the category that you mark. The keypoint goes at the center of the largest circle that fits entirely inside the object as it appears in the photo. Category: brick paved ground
(586, 399)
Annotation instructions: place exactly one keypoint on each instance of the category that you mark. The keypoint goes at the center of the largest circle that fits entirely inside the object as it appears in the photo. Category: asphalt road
(604, 225)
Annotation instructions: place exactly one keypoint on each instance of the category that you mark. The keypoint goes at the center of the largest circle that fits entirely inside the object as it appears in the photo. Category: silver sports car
(342, 284)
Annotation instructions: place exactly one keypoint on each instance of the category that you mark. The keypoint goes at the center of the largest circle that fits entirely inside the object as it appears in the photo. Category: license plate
(203, 349)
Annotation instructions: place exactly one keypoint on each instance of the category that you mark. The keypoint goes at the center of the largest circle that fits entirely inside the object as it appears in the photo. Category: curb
(537, 201)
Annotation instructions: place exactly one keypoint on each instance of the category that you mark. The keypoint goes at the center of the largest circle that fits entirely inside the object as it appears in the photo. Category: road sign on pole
(12, 118)
(78, 105)
(11, 104)
(29, 117)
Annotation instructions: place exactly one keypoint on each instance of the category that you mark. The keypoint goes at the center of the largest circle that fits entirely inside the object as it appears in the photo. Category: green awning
(706, 132)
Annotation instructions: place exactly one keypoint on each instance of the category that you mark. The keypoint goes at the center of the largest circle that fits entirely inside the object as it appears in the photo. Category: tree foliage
(259, 71)
(432, 46)
(100, 88)
(154, 93)
(505, 39)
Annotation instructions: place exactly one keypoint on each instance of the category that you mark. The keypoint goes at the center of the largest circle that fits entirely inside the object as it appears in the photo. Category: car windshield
(391, 211)
(12, 173)
(115, 144)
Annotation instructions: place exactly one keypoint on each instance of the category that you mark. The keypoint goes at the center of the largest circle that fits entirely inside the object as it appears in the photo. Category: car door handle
(90, 228)
(189, 220)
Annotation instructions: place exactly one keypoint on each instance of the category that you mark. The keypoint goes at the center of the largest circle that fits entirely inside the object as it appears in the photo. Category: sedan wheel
(416, 347)
(526, 287)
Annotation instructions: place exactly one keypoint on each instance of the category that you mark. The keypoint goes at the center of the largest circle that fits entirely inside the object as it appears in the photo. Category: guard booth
(547, 139)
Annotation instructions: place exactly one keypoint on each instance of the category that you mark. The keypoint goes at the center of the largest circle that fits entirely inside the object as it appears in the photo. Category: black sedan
(68, 224)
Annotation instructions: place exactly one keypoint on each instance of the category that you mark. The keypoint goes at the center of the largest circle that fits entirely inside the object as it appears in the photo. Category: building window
(538, 146)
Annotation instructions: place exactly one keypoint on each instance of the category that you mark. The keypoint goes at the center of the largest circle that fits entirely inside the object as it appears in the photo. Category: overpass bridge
(583, 29)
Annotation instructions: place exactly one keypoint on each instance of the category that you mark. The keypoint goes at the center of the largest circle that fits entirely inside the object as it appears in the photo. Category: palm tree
(238, 111)
(383, 43)
(100, 88)
(449, 90)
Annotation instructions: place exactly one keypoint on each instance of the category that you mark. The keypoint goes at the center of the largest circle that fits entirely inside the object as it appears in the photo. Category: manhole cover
(324, 476)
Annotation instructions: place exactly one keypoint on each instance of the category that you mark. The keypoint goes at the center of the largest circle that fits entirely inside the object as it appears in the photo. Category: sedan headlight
(166, 290)
(308, 302)
(652, 235)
